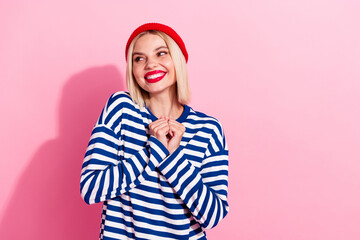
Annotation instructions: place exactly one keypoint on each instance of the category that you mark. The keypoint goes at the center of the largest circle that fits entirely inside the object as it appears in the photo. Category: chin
(159, 89)
(156, 90)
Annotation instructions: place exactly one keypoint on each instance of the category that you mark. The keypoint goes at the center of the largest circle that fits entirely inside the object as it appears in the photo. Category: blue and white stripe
(147, 193)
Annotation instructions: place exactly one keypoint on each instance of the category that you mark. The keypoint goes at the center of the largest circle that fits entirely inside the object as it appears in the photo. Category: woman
(159, 166)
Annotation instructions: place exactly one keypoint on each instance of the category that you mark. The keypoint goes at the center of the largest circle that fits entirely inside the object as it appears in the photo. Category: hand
(175, 134)
(160, 129)
(168, 132)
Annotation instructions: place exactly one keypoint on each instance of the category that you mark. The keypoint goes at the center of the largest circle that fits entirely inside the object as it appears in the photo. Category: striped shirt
(147, 192)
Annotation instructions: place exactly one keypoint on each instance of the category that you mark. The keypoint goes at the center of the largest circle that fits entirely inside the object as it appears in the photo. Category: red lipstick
(154, 76)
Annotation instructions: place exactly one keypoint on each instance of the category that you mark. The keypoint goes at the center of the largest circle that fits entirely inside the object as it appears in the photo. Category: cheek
(169, 64)
(136, 72)
(138, 77)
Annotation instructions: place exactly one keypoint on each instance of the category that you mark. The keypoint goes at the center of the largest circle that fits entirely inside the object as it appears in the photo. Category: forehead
(149, 42)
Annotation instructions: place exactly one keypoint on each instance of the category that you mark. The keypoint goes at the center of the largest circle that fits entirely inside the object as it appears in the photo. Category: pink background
(283, 77)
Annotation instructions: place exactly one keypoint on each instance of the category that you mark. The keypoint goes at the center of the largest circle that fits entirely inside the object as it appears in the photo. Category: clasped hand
(168, 132)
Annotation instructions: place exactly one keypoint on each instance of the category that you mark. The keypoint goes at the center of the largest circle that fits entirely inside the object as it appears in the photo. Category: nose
(151, 63)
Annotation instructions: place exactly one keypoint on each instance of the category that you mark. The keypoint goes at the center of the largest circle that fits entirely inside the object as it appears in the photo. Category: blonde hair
(139, 95)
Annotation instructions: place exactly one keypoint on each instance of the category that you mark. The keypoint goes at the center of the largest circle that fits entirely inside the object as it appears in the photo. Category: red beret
(158, 27)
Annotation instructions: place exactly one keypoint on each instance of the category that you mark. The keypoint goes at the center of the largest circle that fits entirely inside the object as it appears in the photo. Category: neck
(165, 104)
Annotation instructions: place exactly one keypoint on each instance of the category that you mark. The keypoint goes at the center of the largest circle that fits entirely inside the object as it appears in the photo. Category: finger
(157, 123)
(165, 117)
(176, 133)
(171, 132)
(161, 127)
(176, 126)
(175, 123)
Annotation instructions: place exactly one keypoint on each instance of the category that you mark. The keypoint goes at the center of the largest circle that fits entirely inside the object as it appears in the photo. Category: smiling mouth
(154, 76)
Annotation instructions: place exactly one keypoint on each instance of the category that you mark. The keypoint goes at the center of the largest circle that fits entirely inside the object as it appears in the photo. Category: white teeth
(155, 76)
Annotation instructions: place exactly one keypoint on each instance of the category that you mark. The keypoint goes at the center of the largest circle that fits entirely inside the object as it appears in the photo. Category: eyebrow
(155, 50)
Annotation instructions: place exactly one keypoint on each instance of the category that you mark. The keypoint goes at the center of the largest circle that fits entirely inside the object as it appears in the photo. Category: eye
(137, 59)
(162, 53)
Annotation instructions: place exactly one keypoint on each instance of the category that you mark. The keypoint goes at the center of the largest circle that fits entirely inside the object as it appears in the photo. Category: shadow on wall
(46, 203)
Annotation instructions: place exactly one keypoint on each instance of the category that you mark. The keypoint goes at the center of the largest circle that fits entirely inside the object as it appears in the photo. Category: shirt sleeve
(106, 172)
(203, 190)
